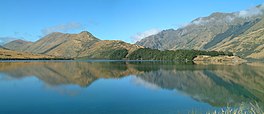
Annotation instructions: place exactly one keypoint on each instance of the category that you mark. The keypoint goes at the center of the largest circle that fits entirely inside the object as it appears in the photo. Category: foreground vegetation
(179, 55)
(251, 108)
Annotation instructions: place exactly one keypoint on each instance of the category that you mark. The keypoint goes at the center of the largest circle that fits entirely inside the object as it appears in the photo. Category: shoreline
(18, 59)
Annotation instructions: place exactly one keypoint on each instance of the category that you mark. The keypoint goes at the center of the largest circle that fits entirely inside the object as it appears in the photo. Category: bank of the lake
(228, 60)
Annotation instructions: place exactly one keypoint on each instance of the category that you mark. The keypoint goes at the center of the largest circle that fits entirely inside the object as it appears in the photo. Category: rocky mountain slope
(83, 44)
(250, 44)
(213, 32)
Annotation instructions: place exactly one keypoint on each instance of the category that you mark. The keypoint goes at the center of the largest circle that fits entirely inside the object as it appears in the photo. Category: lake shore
(227, 60)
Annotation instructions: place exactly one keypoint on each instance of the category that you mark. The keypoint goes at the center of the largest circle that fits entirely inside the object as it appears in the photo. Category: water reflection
(61, 73)
(217, 85)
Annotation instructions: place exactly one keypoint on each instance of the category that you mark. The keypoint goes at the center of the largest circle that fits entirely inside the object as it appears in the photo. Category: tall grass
(251, 108)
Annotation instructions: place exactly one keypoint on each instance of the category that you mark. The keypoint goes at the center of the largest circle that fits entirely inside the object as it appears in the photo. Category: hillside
(59, 44)
(201, 33)
(219, 31)
(83, 45)
(106, 48)
(249, 44)
(10, 55)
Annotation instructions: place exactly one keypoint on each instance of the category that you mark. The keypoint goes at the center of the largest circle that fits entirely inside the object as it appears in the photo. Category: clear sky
(106, 19)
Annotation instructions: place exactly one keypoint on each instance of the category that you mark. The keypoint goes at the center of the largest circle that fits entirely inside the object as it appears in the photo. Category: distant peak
(85, 32)
(259, 6)
(217, 13)
(54, 33)
(168, 30)
(19, 40)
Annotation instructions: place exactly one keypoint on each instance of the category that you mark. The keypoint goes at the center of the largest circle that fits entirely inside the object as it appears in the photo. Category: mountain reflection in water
(217, 85)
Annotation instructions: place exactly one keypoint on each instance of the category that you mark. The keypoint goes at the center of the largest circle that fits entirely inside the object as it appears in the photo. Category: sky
(127, 20)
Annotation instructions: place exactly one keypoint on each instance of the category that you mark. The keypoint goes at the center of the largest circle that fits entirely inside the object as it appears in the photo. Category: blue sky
(106, 19)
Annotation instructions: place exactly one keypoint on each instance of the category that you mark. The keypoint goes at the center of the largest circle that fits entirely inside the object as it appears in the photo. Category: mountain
(250, 44)
(106, 48)
(210, 33)
(18, 45)
(83, 44)
(59, 44)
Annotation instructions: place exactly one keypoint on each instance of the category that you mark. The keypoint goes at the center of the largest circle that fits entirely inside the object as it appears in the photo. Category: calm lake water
(126, 87)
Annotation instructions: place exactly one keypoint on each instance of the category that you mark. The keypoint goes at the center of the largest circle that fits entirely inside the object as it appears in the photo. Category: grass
(251, 108)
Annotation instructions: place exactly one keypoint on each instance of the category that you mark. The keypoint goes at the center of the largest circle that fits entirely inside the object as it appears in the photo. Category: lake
(126, 86)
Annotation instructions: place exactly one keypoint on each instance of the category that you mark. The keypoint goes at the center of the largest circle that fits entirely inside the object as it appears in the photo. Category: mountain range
(241, 33)
(83, 45)
(237, 32)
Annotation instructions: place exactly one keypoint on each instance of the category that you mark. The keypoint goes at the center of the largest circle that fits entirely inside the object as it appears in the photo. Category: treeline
(118, 54)
(177, 55)
(154, 54)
